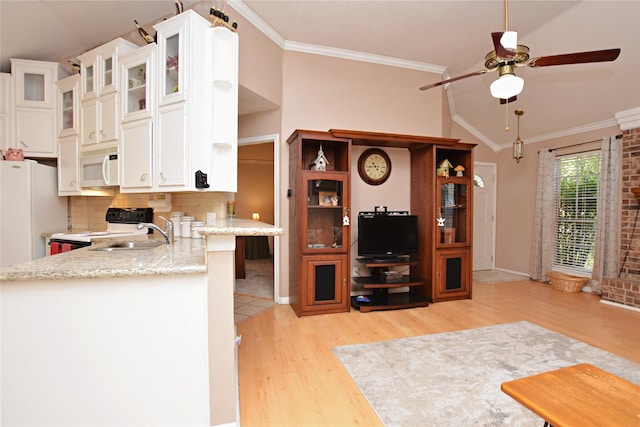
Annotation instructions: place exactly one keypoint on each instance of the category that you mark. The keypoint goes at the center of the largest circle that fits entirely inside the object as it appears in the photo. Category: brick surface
(626, 288)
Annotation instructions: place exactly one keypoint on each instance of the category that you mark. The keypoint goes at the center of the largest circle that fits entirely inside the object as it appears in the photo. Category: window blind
(576, 204)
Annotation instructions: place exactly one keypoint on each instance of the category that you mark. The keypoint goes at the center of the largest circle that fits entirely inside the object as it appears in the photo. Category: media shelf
(382, 299)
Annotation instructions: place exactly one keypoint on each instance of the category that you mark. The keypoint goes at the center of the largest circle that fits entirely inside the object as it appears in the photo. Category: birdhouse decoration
(320, 162)
(459, 170)
(443, 170)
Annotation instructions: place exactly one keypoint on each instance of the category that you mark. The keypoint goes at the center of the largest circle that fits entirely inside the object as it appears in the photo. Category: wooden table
(580, 395)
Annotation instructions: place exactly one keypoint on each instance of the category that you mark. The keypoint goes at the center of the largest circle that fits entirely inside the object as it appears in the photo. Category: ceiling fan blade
(453, 79)
(510, 100)
(505, 43)
(575, 58)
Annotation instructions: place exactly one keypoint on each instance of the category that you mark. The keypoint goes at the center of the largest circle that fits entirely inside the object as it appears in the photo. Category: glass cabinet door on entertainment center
(324, 216)
(453, 214)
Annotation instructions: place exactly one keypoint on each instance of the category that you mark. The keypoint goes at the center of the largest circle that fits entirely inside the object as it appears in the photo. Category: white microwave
(99, 167)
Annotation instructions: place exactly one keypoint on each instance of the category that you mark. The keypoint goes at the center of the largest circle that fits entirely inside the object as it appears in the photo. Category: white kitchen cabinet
(175, 149)
(68, 99)
(35, 132)
(68, 155)
(68, 105)
(197, 105)
(100, 120)
(99, 68)
(100, 81)
(136, 156)
(34, 110)
(33, 82)
(138, 69)
(6, 124)
(224, 118)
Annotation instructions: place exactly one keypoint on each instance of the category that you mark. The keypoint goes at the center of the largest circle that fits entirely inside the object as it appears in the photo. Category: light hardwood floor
(289, 376)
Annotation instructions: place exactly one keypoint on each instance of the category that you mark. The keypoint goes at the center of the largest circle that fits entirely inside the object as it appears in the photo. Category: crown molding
(629, 119)
(254, 19)
(362, 56)
(475, 132)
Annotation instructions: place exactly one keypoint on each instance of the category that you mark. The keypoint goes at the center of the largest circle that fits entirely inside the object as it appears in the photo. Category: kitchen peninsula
(132, 337)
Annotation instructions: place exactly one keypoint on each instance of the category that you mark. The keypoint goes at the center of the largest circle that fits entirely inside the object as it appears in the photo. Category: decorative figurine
(320, 162)
(459, 170)
(443, 170)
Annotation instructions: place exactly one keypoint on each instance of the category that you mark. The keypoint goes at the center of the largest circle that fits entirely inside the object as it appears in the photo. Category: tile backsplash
(88, 212)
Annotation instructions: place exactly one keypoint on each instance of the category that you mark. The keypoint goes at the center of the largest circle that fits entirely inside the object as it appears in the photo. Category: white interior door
(484, 209)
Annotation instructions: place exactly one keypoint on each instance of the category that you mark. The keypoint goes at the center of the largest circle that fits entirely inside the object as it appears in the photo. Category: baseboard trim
(519, 273)
(617, 304)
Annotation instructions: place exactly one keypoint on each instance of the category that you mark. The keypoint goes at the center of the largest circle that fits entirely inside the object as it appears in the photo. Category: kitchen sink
(135, 245)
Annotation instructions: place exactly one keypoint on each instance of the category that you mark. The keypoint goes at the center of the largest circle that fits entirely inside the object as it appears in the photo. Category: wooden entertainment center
(320, 218)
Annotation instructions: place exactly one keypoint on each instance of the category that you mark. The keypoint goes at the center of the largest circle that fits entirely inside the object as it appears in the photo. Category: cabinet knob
(164, 178)
(92, 135)
(143, 177)
(72, 183)
(24, 143)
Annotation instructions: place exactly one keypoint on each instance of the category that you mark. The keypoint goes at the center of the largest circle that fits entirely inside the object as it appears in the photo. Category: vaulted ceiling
(451, 37)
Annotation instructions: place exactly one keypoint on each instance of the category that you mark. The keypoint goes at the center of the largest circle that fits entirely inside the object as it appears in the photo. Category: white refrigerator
(29, 208)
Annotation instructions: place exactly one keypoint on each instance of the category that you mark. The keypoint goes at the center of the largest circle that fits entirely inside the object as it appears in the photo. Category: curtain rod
(581, 143)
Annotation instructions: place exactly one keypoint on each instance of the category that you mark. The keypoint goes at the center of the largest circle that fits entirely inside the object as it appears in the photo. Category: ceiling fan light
(506, 86)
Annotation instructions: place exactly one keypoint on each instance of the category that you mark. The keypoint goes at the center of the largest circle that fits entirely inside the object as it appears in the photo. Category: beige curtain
(543, 244)
(607, 250)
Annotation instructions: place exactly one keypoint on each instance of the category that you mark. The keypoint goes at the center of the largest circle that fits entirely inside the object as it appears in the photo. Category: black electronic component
(201, 179)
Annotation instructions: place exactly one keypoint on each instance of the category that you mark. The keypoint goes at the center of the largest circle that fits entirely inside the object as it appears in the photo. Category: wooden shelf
(389, 301)
(372, 283)
(382, 299)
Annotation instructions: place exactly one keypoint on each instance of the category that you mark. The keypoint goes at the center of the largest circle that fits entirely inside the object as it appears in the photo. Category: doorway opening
(258, 187)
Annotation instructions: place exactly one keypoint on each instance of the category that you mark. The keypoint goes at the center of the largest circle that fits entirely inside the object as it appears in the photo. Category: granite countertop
(185, 256)
(239, 227)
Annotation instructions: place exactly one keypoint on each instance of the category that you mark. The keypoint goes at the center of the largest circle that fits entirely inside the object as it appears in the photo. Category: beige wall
(255, 182)
(260, 62)
(320, 93)
(516, 192)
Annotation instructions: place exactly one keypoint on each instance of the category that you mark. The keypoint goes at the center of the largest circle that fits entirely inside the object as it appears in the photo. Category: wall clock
(374, 166)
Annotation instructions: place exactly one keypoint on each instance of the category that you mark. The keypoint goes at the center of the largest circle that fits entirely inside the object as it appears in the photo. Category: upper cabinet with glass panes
(99, 68)
(138, 83)
(68, 107)
(34, 82)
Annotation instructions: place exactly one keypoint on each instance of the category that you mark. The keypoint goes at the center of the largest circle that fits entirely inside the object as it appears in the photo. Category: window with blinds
(576, 194)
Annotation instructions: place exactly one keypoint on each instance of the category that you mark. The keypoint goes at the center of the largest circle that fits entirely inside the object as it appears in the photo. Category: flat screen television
(387, 236)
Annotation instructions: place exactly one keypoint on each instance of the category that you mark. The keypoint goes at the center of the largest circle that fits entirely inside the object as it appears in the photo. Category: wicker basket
(565, 282)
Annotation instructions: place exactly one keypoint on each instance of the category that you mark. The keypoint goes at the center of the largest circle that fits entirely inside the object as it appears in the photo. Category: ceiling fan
(508, 55)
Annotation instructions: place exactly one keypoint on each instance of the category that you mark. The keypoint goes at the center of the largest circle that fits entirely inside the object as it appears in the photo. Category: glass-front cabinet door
(34, 82)
(137, 86)
(172, 58)
(327, 198)
(171, 65)
(453, 213)
(88, 80)
(69, 108)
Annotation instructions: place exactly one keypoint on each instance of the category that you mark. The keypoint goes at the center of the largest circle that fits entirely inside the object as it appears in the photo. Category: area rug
(453, 379)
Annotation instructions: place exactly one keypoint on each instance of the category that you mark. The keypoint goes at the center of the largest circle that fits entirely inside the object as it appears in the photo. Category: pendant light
(518, 144)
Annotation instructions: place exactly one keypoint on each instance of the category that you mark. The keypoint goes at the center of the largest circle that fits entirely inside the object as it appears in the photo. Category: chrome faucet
(168, 234)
